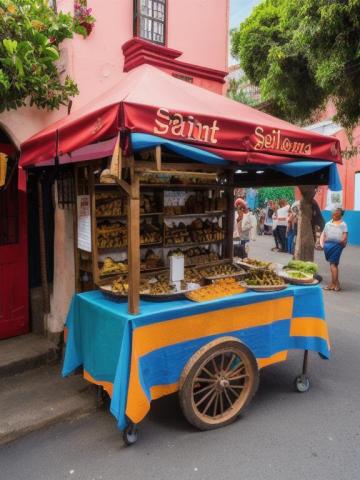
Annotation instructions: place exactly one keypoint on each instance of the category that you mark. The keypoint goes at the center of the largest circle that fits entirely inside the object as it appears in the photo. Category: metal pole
(42, 244)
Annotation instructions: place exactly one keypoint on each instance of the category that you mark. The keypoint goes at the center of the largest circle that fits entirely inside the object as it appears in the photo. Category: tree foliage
(276, 194)
(237, 91)
(302, 54)
(30, 35)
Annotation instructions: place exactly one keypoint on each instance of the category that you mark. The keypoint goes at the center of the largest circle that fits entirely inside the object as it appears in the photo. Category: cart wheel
(130, 435)
(302, 383)
(217, 383)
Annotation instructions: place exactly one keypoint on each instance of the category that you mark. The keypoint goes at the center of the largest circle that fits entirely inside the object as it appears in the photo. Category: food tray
(247, 266)
(230, 275)
(163, 297)
(106, 290)
(299, 281)
(264, 288)
(189, 297)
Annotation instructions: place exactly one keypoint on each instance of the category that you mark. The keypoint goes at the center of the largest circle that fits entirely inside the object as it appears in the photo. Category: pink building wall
(197, 28)
(349, 167)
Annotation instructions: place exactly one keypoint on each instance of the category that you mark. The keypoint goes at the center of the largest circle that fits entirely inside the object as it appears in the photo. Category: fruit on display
(148, 204)
(196, 255)
(221, 270)
(206, 231)
(176, 234)
(120, 286)
(305, 267)
(299, 275)
(110, 204)
(160, 288)
(111, 267)
(151, 260)
(197, 203)
(191, 275)
(111, 235)
(198, 231)
(220, 288)
(263, 278)
(256, 263)
(150, 233)
(179, 179)
(114, 234)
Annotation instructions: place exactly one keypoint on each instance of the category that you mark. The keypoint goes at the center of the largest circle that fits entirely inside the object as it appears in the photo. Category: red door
(14, 288)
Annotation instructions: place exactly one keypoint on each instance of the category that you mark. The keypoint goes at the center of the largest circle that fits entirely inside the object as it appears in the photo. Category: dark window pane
(150, 20)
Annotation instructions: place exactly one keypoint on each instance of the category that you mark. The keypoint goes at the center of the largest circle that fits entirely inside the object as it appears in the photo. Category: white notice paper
(84, 222)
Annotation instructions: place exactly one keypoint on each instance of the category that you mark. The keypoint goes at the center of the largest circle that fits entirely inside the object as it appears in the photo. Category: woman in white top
(333, 240)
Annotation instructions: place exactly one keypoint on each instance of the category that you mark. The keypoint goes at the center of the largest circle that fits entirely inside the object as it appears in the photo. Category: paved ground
(282, 436)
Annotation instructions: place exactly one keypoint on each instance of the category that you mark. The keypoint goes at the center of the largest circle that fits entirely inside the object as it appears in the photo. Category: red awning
(147, 100)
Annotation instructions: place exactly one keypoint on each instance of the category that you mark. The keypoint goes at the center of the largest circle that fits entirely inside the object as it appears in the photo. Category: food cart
(155, 167)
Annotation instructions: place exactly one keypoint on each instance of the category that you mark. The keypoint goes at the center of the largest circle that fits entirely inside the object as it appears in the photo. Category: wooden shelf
(192, 244)
(196, 215)
(143, 245)
(177, 186)
(119, 217)
(208, 264)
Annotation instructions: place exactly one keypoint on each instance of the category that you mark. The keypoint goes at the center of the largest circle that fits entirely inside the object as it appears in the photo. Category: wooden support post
(43, 269)
(230, 218)
(116, 161)
(158, 158)
(134, 246)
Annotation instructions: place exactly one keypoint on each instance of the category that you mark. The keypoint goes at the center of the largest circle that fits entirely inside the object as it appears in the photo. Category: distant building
(237, 75)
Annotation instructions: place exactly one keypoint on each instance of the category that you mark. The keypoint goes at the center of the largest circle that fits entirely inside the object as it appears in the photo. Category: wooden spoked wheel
(217, 383)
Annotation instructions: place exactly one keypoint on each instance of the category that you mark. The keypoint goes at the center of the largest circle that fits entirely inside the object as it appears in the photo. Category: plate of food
(220, 288)
(264, 281)
(218, 272)
(253, 264)
(298, 278)
(161, 291)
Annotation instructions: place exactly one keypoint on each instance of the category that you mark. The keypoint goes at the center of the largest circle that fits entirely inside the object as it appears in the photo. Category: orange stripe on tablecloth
(159, 391)
(137, 405)
(155, 336)
(277, 357)
(108, 386)
(66, 332)
(309, 327)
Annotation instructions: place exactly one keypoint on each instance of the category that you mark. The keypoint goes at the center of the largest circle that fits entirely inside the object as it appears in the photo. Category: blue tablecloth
(138, 358)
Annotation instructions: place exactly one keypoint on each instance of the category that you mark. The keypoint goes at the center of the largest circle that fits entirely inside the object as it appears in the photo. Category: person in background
(317, 223)
(269, 212)
(333, 240)
(254, 224)
(295, 212)
(242, 228)
(261, 221)
(289, 231)
(282, 220)
(275, 230)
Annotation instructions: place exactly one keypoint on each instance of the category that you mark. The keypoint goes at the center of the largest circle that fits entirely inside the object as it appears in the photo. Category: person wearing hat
(242, 228)
(333, 240)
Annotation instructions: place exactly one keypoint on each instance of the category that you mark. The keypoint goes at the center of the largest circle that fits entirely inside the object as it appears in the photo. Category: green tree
(276, 193)
(30, 35)
(237, 91)
(301, 54)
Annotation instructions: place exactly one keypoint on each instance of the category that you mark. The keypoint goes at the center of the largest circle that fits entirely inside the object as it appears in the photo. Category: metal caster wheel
(130, 435)
(302, 383)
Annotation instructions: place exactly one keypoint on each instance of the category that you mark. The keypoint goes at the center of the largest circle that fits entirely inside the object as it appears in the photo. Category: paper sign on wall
(84, 222)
